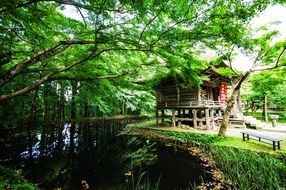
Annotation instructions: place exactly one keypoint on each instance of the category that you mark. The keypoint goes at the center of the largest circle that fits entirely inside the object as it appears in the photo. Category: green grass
(196, 136)
(250, 170)
(145, 123)
(237, 142)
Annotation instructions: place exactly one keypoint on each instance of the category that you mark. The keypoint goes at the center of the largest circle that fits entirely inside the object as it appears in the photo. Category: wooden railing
(190, 104)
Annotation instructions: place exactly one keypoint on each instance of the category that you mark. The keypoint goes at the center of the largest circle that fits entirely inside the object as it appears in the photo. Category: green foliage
(227, 72)
(116, 51)
(143, 156)
(143, 182)
(192, 137)
(268, 83)
(250, 170)
(14, 180)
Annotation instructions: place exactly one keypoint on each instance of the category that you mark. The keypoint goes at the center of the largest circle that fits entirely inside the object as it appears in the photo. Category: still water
(93, 155)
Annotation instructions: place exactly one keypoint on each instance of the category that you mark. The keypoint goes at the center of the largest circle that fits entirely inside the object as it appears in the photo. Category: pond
(93, 155)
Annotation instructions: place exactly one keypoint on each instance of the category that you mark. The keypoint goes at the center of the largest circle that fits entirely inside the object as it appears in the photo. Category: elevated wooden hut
(196, 106)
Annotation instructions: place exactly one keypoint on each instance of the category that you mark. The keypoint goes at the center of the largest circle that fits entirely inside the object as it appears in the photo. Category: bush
(192, 137)
(10, 179)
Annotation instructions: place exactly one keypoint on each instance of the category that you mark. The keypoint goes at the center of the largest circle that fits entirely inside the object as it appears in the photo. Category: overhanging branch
(90, 56)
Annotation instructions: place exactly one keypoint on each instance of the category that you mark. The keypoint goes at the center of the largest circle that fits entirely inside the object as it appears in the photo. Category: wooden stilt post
(219, 113)
(195, 118)
(212, 119)
(157, 116)
(173, 118)
(162, 116)
(207, 113)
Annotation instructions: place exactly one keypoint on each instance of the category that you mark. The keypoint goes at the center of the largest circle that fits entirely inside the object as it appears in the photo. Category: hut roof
(213, 73)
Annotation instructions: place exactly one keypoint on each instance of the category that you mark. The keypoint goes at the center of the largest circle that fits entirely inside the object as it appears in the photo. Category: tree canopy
(113, 48)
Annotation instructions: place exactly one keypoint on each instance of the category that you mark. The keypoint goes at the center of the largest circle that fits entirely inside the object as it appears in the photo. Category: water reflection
(70, 155)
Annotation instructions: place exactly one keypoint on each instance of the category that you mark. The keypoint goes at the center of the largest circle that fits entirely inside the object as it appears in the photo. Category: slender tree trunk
(62, 103)
(30, 128)
(43, 142)
(122, 107)
(46, 103)
(43, 147)
(265, 108)
(230, 104)
(73, 117)
(253, 109)
(73, 103)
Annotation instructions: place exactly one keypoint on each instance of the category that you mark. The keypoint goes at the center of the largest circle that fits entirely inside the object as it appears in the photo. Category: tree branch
(20, 67)
(276, 63)
(91, 55)
(141, 34)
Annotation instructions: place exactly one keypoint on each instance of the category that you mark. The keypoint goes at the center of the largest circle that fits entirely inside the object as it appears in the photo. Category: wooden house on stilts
(198, 107)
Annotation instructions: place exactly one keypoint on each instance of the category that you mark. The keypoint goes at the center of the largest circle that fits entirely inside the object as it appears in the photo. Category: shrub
(10, 179)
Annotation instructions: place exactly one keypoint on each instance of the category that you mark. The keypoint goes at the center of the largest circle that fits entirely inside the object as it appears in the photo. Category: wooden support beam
(195, 118)
(157, 116)
(173, 118)
(219, 113)
(179, 113)
(207, 113)
(162, 115)
(212, 118)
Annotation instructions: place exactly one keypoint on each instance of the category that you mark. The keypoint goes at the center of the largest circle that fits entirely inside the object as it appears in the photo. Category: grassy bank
(249, 165)
(209, 137)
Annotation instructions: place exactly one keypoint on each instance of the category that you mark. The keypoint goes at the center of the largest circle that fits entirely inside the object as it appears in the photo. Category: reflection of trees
(139, 154)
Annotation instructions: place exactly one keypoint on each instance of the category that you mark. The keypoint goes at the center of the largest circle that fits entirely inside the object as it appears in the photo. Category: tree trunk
(227, 113)
(265, 108)
(62, 103)
(236, 110)
(30, 128)
(46, 103)
(253, 109)
(122, 107)
(230, 104)
(73, 117)
(73, 103)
